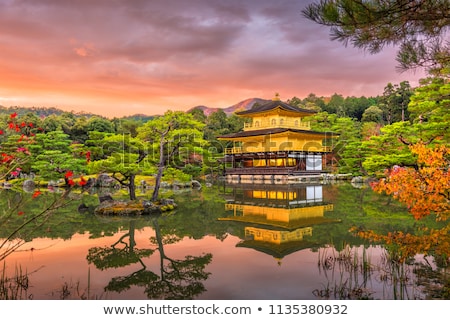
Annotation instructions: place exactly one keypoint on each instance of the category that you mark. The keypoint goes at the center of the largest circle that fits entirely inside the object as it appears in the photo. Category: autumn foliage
(12, 158)
(425, 191)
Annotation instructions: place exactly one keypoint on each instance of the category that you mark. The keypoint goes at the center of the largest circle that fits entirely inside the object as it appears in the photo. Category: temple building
(276, 145)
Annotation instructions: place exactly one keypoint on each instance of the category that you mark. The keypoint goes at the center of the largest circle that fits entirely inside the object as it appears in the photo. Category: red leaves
(70, 182)
(68, 174)
(68, 177)
(6, 158)
(82, 182)
(88, 156)
(36, 194)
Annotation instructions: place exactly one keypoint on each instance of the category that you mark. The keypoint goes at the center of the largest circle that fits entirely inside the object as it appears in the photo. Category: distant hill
(41, 111)
(138, 117)
(45, 112)
(240, 106)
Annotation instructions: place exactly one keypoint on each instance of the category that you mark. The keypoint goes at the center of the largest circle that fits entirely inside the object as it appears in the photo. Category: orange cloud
(147, 56)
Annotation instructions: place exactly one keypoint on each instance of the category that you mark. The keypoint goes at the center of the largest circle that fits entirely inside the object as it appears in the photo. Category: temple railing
(240, 150)
(289, 124)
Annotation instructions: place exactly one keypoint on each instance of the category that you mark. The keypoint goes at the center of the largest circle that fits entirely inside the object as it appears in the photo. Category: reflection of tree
(177, 279)
(115, 257)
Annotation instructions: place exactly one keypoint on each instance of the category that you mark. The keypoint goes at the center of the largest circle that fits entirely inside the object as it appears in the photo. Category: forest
(370, 135)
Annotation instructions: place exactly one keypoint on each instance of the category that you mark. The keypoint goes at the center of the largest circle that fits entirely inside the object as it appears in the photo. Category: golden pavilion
(276, 145)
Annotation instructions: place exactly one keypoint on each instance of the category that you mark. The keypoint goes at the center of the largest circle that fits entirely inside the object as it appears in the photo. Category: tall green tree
(53, 156)
(372, 114)
(312, 101)
(98, 145)
(429, 108)
(100, 124)
(428, 124)
(418, 27)
(216, 125)
(198, 114)
(335, 105)
(172, 139)
(354, 107)
(126, 158)
(394, 101)
(345, 140)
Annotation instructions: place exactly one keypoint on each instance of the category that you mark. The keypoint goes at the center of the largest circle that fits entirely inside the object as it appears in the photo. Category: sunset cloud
(124, 57)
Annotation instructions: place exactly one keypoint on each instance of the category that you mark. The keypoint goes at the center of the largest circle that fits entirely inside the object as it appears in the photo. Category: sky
(118, 58)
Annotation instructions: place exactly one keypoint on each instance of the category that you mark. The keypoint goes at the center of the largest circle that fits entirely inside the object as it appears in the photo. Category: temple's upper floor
(276, 114)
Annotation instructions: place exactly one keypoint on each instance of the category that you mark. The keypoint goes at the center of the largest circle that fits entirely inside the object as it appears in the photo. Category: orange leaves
(436, 157)
(407, 245)
(424, 190)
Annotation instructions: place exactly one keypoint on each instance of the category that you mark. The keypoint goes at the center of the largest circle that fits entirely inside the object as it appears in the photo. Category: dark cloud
(186, 52)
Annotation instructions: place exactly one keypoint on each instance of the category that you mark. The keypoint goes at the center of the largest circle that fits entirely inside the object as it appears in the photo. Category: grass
(14, 287)
(348, 274)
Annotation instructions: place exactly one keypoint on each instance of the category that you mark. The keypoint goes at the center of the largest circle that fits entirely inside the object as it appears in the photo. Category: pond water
(222, 242)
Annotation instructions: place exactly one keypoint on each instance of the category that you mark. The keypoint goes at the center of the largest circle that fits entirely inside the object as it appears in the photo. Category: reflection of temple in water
(278, 220)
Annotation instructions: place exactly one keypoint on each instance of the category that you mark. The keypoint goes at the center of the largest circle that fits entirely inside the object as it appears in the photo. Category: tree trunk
(160, 169)
(157, 182)
(132, 187)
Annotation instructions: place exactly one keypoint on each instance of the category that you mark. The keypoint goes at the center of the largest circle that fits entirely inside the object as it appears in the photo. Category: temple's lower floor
(273, 167)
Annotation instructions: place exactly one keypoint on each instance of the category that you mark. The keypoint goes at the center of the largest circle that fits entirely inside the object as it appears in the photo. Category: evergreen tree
(172, 139)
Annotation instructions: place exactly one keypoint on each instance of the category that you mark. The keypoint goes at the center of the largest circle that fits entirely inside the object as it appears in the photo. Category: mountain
(240, 106)
(44, 112)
